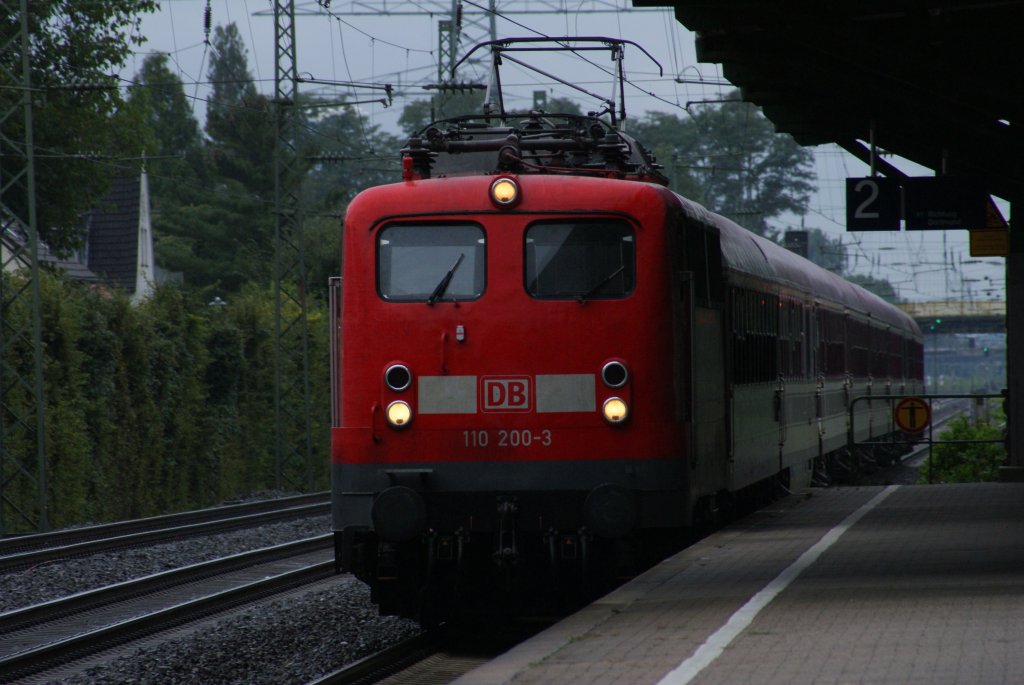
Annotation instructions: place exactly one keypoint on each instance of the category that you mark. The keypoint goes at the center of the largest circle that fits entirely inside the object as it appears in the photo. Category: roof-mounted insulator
(614, 152)
(207, 22)
(416, 160)
(407, 173)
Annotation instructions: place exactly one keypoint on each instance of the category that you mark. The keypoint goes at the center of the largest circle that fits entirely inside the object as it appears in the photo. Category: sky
(346, 42)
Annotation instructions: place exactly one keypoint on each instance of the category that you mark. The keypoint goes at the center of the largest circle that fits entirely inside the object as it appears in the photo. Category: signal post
(1014, 468)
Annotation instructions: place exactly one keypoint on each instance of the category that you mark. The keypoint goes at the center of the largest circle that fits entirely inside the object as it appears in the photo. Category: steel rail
(383, 664)
(54, 654)
(17, 619)
(39, 556)
(20, 543)
(436, 656)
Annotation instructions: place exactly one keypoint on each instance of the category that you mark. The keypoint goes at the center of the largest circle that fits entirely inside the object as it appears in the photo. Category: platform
(899, 584)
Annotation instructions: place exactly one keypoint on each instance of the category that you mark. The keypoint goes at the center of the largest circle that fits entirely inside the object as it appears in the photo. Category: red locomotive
(550, 366)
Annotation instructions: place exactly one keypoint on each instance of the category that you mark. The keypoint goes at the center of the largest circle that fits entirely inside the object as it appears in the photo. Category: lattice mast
(292, 407)
(23, 497)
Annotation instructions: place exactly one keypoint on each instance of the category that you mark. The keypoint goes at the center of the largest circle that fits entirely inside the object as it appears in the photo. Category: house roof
(72, 266)
(113, 234)
(16, 252)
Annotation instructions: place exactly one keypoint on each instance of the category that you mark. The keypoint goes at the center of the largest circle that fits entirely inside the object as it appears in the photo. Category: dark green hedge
(158, 407)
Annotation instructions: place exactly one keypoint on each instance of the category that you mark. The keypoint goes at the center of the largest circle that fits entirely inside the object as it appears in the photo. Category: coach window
(859, 335)
(754, 336)
(834, 328)
(431, 262)
(580, 260)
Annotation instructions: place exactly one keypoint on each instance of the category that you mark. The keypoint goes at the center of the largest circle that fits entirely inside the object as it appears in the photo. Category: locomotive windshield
(431, 262)
(580, 260)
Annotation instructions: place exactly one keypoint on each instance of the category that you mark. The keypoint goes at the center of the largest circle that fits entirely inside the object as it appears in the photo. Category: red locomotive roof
(461, 194)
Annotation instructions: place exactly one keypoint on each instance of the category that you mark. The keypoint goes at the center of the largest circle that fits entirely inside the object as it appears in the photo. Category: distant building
(10, 246)
(119, 239)
(15, 255)
(118, 247)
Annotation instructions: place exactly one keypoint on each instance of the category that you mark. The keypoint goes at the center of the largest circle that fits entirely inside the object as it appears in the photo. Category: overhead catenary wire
(580, 56)
(408, 49)
(688, 82)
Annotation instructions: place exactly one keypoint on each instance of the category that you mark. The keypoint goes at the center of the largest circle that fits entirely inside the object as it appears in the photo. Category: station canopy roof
(939, 82)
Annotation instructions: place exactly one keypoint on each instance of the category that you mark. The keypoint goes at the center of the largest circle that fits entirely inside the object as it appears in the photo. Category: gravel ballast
(66, 577)
(292, 639)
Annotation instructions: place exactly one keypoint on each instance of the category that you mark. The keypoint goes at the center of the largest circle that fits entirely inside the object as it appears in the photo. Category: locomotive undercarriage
(849, 466)
(504, 562)
(533, 554)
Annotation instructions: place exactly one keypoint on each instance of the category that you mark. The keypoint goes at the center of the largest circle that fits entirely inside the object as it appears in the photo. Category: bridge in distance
(958, 317)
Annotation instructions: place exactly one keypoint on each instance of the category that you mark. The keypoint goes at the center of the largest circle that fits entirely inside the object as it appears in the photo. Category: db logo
(505, 393)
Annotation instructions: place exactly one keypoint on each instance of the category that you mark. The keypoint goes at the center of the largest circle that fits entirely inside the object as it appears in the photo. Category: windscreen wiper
(443, 285)
(603, 282)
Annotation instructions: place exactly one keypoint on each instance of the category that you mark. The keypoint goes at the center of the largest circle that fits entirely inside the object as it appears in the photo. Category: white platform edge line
(745, 615)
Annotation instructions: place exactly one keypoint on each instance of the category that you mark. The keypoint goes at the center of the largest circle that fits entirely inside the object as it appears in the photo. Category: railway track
(427, 659)
(48, 635)
(30, 550)
(38, 638)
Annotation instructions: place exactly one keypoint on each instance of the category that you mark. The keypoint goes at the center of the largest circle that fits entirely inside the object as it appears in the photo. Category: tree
(240, 126)
(417, 114)
(555, 105)
(879, 286)
(819, 248)
(351, 155)
(76, 49)
(732, 157)
(562, 106)
(176, 159)
(177, 169)
(826, 252)
(239, 121)
(667, 136)
(355, 156)
(222, 243)
(215, 222)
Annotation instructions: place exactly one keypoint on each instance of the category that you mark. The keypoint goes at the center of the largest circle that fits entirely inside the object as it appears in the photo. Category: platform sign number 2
(873, 204)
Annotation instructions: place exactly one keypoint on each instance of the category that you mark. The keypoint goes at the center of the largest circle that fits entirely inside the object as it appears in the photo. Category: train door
(709, 445)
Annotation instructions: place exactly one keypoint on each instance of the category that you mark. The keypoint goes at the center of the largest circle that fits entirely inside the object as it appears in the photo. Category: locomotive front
(507, 431)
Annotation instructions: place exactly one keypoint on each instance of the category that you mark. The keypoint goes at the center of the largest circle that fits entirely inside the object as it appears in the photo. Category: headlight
(505, 192)
(399, 414)
(615, 410)
(397, 377)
